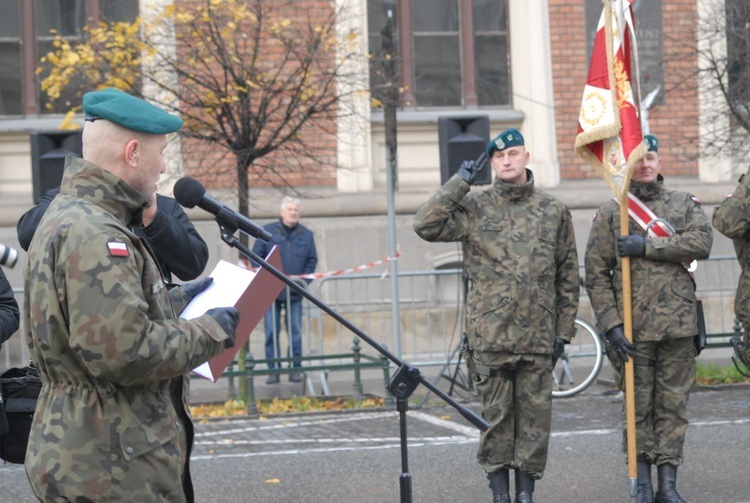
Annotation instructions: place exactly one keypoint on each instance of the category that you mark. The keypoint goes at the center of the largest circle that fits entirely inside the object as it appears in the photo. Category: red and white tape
(317, 275)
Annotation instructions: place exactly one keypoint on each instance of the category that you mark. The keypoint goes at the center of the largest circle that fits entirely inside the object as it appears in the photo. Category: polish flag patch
(117, 249)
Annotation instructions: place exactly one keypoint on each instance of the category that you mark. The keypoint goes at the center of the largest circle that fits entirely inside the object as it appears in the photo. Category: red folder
(254, 292)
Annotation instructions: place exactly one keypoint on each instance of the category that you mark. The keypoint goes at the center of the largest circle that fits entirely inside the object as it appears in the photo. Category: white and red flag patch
(118, 249)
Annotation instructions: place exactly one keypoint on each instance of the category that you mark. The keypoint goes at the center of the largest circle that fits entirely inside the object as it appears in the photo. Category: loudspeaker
(463, 138)
(48, 152)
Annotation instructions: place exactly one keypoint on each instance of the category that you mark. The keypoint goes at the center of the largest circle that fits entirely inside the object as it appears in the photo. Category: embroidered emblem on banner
(117, 249)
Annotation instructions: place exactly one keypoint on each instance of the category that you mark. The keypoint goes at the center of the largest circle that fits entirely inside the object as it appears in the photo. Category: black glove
(227, 318)
(558, 349)
(631, 246)
(469, 170)
(741, 352)
(193, 288)
(616, 338)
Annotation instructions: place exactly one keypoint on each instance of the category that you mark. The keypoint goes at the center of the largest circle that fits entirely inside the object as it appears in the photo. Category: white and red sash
(647, 219)
(649, 222)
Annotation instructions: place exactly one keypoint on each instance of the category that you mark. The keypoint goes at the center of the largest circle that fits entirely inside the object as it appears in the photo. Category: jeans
(272, 323)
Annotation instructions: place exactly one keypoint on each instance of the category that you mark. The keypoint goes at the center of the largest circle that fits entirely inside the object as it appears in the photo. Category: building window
(451, 53)
(10, 58)
(738, 51)
(27, 30)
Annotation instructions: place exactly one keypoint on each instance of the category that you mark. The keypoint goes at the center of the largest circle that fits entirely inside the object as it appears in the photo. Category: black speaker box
(48, 152)
(463, 138)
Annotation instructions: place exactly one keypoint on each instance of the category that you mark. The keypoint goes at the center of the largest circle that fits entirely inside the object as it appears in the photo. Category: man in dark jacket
(178, 247)
(9, 313)
(298, 256)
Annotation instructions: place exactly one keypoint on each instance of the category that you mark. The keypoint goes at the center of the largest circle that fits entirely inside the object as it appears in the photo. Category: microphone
(190, 193)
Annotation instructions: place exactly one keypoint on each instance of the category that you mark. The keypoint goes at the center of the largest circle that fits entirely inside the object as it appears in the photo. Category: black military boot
(524, 487)
(667, 492)
(645, 488)
(499, 484)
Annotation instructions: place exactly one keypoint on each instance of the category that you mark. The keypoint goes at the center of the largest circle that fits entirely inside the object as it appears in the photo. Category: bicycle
(581, 362)
(576, 369)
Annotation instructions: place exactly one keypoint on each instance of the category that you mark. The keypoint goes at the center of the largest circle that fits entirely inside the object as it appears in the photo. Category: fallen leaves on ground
(284, 406)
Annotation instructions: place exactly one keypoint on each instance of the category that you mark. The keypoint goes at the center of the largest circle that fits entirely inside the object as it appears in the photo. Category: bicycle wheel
(580, 364)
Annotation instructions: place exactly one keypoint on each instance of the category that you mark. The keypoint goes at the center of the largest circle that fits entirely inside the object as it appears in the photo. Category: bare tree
(723, 77)
(261, 82)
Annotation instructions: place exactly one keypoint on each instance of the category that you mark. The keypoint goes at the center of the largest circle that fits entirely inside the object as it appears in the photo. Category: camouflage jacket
(663, 293)
(520, 255)
(112, 422)
(732, 218)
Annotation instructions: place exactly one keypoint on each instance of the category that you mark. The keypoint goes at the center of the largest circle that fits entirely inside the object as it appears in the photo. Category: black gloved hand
(469, 170)
(631, 246)
(558, 349)
(193, 288)
(741, 352)
(616, 338)
(227, 318)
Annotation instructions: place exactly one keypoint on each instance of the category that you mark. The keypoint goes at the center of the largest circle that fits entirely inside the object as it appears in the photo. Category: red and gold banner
(609, 129)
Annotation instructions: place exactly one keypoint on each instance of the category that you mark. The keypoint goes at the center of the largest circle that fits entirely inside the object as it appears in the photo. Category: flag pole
(610, 139)
(627, 300)
(627, 322)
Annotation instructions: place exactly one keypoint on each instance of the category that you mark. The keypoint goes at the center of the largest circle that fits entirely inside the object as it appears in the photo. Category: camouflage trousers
(664, 372)
(517, 402)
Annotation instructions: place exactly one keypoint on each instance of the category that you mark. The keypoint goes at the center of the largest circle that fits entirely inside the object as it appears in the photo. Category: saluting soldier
(664, 311)
(112, 421)
(520, 257)
(732, 218)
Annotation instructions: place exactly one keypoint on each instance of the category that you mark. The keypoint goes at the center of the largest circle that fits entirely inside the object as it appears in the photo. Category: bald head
(104, 143)
(134, 157)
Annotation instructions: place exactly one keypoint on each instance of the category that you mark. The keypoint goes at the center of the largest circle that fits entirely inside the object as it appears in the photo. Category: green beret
(509, 138)
(652, 143)
(129, 112)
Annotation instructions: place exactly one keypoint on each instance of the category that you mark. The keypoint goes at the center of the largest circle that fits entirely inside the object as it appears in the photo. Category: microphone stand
(402, 384)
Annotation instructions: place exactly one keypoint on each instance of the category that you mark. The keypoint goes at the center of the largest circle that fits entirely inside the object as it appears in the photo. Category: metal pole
(395, 312)
(390, 104)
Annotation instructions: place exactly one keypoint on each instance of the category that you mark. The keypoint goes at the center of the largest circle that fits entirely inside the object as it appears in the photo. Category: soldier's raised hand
(469, 170)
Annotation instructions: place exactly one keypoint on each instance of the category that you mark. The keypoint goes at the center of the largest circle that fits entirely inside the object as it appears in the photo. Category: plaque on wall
(648, 35)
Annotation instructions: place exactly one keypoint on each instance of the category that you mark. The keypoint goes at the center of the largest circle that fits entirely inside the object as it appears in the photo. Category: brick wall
(308, 162)
(674, 121)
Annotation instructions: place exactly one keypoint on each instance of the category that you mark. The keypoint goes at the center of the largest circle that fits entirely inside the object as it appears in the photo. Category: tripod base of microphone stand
(402, 385)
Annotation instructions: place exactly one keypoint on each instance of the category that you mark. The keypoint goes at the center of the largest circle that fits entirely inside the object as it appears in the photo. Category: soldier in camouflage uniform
(664, 315)
(732, 218)
(520, 257)
(112, 422)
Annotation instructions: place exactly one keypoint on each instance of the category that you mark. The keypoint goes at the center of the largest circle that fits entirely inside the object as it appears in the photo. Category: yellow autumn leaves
(283, 406)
